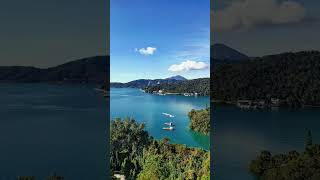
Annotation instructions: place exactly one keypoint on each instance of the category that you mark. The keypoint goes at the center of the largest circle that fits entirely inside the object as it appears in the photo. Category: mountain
(178, 78)
(142, 83)
(223, 53)
(87, 70)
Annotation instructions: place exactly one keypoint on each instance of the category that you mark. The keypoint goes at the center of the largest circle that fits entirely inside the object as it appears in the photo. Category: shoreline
(234, 103)
(163, 94)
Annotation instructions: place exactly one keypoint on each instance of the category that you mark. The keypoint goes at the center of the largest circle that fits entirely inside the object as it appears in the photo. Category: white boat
(168, 115)
(169, 123)
(170, 128)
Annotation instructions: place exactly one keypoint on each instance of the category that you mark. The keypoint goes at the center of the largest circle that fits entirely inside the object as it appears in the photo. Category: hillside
(294, 78)
(86, 70)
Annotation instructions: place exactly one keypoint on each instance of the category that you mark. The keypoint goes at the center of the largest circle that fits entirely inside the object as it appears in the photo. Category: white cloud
(249, 13)
(188, 66)
(146, 51)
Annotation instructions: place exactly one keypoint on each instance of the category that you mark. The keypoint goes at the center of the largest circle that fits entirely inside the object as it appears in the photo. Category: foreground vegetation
(200, 86)
(290, 166)
(200, 120)
(291, 77)
(137, 155)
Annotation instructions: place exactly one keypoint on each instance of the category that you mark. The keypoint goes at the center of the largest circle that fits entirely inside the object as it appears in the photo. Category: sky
(264, 27)
(44, 33)
(152, 39)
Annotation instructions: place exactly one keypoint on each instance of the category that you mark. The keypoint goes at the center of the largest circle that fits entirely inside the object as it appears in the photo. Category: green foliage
(127, 140)
(200, 86)
(136, 155)
(291, 166)
(163, 160)
(291, 77)
(200, 120)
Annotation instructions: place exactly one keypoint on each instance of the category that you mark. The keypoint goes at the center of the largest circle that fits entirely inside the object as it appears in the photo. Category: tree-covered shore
(200, 120)
(135, 154)
(200, 86)
(293, 78)
(290, 166)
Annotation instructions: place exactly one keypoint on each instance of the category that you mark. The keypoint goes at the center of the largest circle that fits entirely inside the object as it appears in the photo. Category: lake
(240, 135)
(148, 108)
(52, 128)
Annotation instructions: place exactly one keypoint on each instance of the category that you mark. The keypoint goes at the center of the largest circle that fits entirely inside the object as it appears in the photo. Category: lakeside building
(275, 102)
(245, 104)
(249, 104)
(163, 93)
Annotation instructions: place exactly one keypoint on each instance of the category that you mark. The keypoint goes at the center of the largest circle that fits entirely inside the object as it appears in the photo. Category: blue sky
(176, 32)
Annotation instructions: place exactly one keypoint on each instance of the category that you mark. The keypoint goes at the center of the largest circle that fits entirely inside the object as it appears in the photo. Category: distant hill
(87, 70)
(178, 78)
(294, 78)
(223, 53)
(142, 83)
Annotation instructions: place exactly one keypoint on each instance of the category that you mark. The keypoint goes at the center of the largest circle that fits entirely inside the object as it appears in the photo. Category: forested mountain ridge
(293, 78)
(200, 86)
(87, 70)
(142, 83)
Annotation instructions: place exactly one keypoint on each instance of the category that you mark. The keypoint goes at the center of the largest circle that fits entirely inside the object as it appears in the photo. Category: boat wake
(168, 115)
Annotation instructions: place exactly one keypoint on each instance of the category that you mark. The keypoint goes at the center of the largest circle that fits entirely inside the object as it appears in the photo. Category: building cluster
(256, 104)
(162, 93)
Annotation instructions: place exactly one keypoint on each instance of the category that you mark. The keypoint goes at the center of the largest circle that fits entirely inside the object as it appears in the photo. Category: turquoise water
(52, 128)
(240, 135)
(148, 109)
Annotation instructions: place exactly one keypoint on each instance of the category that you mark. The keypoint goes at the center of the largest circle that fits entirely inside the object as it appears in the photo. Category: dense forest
(290, 166)
(200, 120)
(135, 154)
(294, 78)
(200, 86)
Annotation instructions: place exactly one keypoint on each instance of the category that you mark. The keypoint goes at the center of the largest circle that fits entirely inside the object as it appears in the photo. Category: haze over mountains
(87, 70)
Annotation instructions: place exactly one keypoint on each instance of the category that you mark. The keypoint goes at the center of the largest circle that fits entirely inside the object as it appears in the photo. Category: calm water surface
(240, 135)
(148, 108)
(52, 128)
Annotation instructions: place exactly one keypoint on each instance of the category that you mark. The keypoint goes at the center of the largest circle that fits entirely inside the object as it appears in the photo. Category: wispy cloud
(194, 50)
(146, 51)
(244, 14)
(188, 65)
